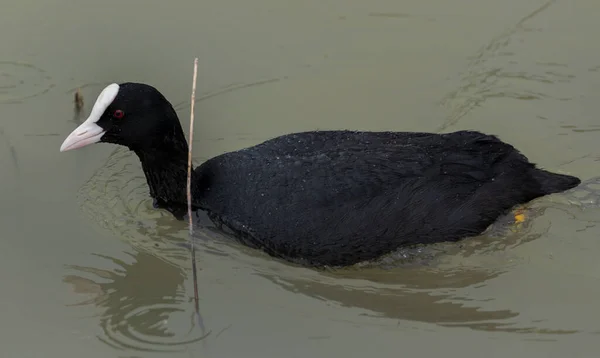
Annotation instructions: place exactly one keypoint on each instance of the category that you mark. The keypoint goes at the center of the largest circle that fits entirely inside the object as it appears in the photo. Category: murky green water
(89, 269)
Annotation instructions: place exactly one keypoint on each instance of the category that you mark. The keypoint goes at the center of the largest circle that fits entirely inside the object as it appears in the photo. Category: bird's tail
(551, 183)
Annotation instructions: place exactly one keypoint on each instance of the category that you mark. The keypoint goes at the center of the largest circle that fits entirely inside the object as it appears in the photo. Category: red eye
(118, 114)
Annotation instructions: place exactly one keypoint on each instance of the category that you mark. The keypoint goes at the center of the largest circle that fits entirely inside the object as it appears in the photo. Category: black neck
(164, 164)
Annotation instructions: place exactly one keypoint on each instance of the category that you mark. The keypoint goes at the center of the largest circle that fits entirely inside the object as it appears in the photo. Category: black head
(134, 115)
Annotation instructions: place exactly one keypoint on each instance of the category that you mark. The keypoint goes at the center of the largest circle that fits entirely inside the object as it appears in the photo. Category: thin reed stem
(189, 192)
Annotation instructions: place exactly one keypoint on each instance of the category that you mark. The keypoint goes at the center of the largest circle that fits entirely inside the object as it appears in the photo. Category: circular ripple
(20, 81)
(117, 198)
(143, 303)
(146, 329)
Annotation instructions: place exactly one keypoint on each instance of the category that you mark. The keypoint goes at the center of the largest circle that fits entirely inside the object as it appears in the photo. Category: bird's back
(340, 197)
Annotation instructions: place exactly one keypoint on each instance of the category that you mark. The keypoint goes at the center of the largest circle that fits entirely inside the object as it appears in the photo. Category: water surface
(89, 268)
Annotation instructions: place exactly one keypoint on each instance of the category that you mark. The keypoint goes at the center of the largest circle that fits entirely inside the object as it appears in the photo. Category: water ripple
(138, 302)
(493, 72)
(21, 81)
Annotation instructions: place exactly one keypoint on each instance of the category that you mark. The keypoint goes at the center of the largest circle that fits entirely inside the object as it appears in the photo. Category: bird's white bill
(87, 133)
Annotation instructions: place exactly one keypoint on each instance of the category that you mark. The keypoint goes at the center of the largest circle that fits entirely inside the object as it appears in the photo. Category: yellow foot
(519, 218)
(520, 215)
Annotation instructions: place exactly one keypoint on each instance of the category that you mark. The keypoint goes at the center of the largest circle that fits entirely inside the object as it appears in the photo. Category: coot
(324, 198)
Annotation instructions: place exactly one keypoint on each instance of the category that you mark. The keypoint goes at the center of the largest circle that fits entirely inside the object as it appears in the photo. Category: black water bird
(330, 198)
